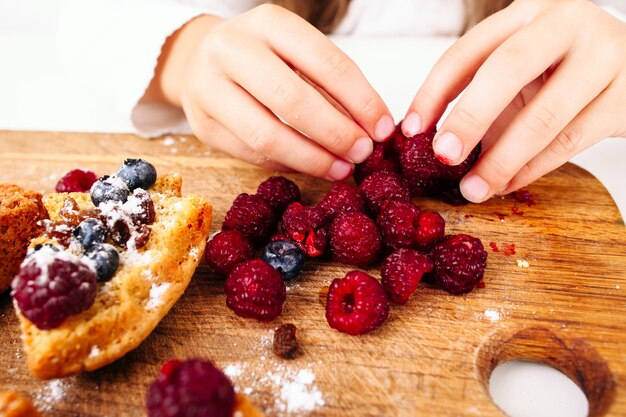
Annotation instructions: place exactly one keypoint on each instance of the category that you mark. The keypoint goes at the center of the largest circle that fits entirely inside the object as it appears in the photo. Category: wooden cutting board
(432, 357)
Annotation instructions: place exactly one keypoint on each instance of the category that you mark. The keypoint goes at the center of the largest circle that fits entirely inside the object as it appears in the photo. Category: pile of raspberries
(355, 225)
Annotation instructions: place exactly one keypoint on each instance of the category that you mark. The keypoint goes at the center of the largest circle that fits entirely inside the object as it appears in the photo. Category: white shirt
(85, 64)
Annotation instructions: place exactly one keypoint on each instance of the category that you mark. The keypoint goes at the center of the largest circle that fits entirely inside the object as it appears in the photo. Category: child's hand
(544, 80)
(269, 88)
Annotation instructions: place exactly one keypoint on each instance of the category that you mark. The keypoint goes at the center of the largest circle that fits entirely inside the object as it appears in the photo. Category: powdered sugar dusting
(156, 295)
(492, 315)
(51, 393)
(95, 352)
(278, 387)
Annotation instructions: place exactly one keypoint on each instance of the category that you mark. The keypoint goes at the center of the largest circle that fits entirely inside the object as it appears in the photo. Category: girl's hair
(326, 14)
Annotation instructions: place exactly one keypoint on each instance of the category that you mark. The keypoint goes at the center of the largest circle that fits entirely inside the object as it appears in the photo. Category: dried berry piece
(285, 342)
(77, 180)
(140, 207)
(58, 230)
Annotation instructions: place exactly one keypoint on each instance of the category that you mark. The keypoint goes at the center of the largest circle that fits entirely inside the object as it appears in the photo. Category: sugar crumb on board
(522, 263)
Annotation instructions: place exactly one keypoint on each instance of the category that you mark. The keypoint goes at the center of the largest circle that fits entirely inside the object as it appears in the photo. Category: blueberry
(285, 257)
(138, 173)
(89, 232)
(105, 260)
(109, 189)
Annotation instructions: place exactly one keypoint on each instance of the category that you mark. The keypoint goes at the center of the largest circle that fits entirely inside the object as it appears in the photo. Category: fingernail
(448, 148)
(474, 188)
(339, 170)
(361, 149)
(384, 128)
(412, 124)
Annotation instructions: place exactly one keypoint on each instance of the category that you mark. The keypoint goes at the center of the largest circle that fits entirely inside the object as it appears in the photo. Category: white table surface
(34, 95)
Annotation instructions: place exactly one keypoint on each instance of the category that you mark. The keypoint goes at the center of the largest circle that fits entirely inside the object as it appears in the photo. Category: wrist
(165, 86)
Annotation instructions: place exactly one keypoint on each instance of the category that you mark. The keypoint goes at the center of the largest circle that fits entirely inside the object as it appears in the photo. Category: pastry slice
(100, 279)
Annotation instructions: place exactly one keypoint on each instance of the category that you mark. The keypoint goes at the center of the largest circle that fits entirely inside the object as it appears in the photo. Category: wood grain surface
(432, 357)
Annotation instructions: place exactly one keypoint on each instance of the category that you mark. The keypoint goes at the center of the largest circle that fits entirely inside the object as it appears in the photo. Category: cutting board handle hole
(575, 358)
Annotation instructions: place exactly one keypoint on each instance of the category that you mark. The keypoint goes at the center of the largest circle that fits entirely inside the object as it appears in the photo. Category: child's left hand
(543, 80)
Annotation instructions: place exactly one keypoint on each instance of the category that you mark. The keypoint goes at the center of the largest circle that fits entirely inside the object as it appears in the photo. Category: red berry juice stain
(467, 216)
(481, 284)
(524, 196)
(515, 210)
(501, 216)
(508, 249)
(443, 159)
(494, 246)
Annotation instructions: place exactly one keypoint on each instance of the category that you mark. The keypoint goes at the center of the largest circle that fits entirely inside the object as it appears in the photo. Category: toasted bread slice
(15, 404)
(129, 306)
(20, 212)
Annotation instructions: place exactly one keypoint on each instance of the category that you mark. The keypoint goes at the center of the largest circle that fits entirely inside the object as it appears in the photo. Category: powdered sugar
(95, 352)
(44, 257)
(156, 294)
(51, 393)
(492, 315)
(291, 385)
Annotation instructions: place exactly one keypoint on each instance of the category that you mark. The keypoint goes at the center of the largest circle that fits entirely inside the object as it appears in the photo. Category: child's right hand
(270, 89)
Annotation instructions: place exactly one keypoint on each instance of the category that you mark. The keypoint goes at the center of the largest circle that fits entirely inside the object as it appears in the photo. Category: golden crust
(244, 408)
(20, 210)
(15, 404)
(128, 307)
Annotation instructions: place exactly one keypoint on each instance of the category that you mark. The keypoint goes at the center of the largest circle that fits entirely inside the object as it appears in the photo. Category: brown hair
(326, 14)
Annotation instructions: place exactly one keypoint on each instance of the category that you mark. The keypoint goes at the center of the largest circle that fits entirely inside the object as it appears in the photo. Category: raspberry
(421, 168)
(430, 229)
(252, 216)
(305, 227)
(53, 285)
(354, 239)
(254, 289)
(381, 187)
(398, 223)
(76, 180)
(402, 271)
(285, 343)
(137, 173)
(192, 388)
(226, 250)
(340, 198)
(356, 304)
(449, 191)
(383, 158)
(279, 192)
(285, 257)
(460, 262)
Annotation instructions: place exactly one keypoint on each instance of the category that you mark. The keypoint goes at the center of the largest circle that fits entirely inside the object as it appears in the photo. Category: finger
(574, 84)
(280, 89)
(268, 137)
(456, 68)
(590, 126)
(324, 94)
(211, 132)
(508, 69)
(320, 60)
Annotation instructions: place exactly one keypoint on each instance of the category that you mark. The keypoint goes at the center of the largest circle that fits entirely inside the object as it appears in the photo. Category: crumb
(522, 264)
